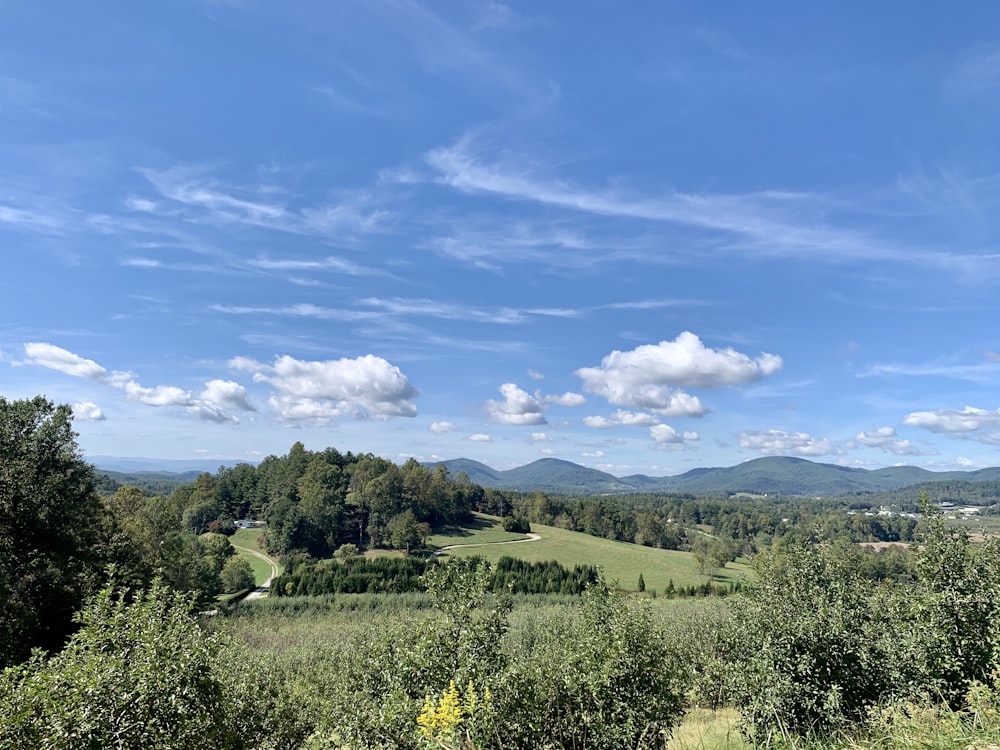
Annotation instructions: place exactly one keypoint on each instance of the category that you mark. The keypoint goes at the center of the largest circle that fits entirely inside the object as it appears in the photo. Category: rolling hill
(774, 475)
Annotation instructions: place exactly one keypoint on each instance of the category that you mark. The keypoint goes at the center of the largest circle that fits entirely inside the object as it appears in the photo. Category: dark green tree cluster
(397, 575)
(52, 530)
(148, 537)
(522, 577)
(316, 501)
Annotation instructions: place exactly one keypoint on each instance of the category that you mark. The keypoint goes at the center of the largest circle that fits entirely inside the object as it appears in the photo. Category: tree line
(398, 575)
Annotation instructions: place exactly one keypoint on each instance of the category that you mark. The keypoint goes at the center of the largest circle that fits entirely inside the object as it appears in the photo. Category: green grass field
(245, 542)
(482, 530)
(620, 561)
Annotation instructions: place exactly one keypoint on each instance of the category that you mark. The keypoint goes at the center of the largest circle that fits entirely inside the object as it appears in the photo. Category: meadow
(621, 562)
(245, 541)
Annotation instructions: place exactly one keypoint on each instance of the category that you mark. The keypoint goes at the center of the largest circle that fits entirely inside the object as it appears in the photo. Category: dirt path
(532, 537)
(263, 589)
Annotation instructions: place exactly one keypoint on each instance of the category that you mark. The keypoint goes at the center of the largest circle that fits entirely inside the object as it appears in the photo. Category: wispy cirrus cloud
(764, 219)
(376, 308)
(208, 198)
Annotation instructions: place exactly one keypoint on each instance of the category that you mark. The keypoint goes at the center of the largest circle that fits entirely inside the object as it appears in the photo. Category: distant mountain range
(176, 466)
(775, 475)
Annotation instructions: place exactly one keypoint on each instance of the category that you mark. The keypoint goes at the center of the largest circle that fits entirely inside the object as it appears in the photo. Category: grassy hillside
(245, 542)
(621, 561)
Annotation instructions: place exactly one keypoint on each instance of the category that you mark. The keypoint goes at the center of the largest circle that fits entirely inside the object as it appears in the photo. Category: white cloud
(535, 375)
(161, 395)
(57, 358)
(622, 418)
(538, 437)
(649, 376)
(141, 205)
(566, 399)
(684, 362)
(88, 411)
(592, 454)
(305, 410)
(954, 421)
(364, 387)
(778, 442)
(212, 404)
(886, 439)
(548, 452)
(228, 394)
(518, 407)
(440, 428)
(664, 433)
(480, 438)
(772, 222)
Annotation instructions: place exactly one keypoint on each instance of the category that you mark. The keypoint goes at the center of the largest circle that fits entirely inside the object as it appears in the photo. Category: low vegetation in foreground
(112, 634)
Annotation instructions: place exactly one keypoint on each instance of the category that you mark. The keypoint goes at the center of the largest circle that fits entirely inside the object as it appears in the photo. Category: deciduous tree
(50, 527)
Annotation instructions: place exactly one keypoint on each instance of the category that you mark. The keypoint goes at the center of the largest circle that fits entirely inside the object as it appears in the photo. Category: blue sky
(645, 241)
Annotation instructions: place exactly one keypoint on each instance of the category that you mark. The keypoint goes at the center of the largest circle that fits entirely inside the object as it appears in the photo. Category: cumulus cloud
(778, 442)
(213, 404)
(479, 437)
(160, 395)
(666, 437)
(886, 439)
(57, 358)
(650, 376)
(88, 411)
(367, 387)
(228, 394)
(539, 437)
(566, 399)
(518, 407)
(440, 428)
(535, 375)
(593, 454)
(954, 421)
(622, 418)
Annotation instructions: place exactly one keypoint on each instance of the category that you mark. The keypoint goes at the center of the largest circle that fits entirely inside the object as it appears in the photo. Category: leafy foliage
(140, 673)
(51, 531)
(814, 647)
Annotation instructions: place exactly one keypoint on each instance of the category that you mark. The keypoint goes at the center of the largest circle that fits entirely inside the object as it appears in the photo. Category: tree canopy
(50, 527)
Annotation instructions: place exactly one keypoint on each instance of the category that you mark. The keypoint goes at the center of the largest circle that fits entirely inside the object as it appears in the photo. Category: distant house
(244, 523)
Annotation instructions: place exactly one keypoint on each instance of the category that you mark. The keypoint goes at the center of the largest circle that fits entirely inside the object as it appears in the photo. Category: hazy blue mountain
(773, 475)
(477, 472)
(175, 466)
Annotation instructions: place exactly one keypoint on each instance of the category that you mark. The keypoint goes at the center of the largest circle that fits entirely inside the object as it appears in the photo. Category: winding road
(532, 537)
(264, 588)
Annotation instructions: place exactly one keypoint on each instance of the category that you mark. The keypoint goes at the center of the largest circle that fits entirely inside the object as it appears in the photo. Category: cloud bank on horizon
(642, 241)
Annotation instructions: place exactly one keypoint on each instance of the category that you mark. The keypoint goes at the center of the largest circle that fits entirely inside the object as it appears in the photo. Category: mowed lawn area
(245, 542)
(482, 529)
(620, 561)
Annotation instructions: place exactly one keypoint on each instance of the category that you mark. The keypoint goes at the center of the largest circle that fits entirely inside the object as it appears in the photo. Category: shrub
(139, 674)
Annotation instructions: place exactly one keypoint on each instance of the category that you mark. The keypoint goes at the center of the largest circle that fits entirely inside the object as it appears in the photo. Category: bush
(139, 674)
(597, 674)
(516, 524)
(237, 575)
(804, 646)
